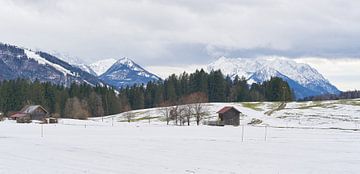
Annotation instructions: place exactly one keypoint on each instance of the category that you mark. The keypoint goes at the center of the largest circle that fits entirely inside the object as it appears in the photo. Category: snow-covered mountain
(23, 63)
(86, 68)
(101, 66)
(75, 61)
(125, 72)
(303, 79)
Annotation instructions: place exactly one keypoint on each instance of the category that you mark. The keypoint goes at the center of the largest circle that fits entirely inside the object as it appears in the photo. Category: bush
(255, 121)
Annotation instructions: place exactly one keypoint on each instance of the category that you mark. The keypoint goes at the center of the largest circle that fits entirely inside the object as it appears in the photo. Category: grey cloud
(183, 31)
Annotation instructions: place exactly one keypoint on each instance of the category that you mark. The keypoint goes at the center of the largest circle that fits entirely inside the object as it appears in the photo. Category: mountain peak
(125, 72)
(125, 61)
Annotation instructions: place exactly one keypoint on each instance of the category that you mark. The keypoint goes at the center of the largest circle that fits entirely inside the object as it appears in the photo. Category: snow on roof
(226, 108)
(31, 108)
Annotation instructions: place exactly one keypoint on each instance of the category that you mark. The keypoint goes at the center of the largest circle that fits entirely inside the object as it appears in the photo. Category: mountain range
(24, 63)
(16, 62)
(302, 78)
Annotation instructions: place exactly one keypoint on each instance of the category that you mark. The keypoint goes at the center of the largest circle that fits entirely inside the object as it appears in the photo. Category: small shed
(32, 112)
(1, 116)
(229, 116)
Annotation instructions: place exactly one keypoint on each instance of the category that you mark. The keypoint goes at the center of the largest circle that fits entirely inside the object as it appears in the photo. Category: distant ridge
(302, 78)
(16, 62)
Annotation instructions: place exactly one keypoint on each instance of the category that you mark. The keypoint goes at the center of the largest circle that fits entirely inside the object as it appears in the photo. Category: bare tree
(74, 108)
(182, 114)
(177, 114)
(199, 112)
(128, 114)
(165, 110)
(196, 104)
(188, 111)
(174, 114)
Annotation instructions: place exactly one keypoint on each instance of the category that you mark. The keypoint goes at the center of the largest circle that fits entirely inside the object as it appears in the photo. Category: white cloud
(94, 28)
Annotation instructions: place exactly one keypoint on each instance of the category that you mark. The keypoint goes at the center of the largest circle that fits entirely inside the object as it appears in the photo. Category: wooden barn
(229, 116)
(31, 112)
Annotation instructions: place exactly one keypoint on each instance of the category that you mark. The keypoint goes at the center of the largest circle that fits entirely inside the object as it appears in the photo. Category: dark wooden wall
(231, 117)
(38, 114)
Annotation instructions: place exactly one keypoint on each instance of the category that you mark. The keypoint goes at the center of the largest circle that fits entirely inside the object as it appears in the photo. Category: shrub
(255, 121)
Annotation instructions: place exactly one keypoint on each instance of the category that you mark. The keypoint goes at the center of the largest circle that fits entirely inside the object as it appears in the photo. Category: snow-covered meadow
(306, 137)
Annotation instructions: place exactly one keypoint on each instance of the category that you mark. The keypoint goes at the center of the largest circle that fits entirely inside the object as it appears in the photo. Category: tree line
(77, 101)
(82, 100)
(214, 85)
(343, 95)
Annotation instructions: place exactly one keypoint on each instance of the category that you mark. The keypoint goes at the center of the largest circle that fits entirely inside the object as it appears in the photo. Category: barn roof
(31, 108)
(226, 109)
(17, 115)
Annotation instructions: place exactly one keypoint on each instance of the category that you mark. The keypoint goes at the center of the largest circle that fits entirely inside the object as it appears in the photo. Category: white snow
(101, 66)
(43, 61)
(31, 108)
(86, 68)
(129, 63)
(109, 145)
(337, 114)
(125, 61)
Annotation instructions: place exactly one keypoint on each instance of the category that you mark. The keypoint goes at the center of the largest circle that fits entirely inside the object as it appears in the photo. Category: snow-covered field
(337, 114)
(308, 137)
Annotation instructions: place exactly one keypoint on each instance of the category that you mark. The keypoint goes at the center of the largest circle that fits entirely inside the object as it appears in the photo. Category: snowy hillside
(101, 66)
(77, 62)
(305, 80)
(18, 62)
(125, 72)
(341, 114)
(86, 68)
(304, 137)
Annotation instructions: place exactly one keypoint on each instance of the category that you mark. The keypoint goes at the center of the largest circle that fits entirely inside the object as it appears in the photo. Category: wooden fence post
(265, 132)
(42, 130)
(242, 134)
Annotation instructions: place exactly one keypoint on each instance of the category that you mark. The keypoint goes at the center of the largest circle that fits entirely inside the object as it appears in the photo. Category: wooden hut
(229, 116)
(1, 116)
(30, 112)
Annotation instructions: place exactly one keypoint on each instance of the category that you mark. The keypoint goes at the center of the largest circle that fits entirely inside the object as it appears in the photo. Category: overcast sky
(167, 35)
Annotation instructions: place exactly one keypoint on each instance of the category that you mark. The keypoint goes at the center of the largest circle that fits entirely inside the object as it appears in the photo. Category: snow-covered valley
(301, 137)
